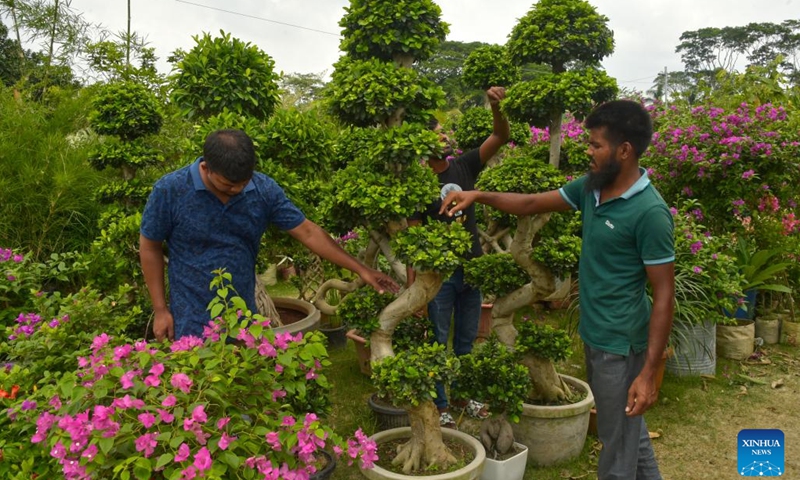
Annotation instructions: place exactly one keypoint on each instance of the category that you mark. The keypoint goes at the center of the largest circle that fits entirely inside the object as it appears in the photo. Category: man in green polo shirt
(627, 242)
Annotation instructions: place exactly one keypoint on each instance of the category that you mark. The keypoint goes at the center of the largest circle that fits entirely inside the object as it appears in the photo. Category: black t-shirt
(460, 175)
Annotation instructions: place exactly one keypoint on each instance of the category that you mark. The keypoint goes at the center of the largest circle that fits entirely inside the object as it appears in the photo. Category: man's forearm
(513, 203)
(500, 125)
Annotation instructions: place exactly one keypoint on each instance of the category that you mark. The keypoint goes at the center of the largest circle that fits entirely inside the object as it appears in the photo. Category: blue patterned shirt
(203, 235)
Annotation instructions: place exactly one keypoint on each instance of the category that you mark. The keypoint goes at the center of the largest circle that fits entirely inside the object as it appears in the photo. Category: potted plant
(492, 375)
(242, 401)
(409, 378)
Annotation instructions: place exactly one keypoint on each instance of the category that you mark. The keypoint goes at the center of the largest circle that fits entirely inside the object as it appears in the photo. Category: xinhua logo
(761, 453)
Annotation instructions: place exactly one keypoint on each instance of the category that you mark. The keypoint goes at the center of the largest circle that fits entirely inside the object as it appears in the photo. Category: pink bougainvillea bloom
(127, 379)
(128, 402)
(90, 452)
(58, 450)
(100, 341)
(278, 368)
(146, 443)
(189, 473)
(147, 419)
(225, 441)
(202, 460)
(748, 174)
(182, 382)
(222, 422)
(157, 369)
(169, 401)
(152, 381)
(199, 414)
(311, 375)
(183, 453)
(288, 421)
(278, 394)
(697, 270)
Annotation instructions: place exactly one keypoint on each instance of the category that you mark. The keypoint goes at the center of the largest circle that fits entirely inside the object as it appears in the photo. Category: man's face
(605, 165)
(221, 185)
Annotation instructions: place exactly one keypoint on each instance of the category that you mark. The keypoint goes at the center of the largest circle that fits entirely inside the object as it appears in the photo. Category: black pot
(326, 472)
(388, 416)
(336, 336)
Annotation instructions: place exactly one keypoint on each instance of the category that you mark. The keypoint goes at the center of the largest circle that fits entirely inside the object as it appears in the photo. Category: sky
(305, 39)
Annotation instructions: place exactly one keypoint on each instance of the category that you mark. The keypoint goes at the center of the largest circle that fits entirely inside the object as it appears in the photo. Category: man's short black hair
(230, 153)
(625, 121)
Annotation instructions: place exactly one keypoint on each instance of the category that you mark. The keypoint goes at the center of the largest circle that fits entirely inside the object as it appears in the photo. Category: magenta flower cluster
(162, 404)
(28, 323)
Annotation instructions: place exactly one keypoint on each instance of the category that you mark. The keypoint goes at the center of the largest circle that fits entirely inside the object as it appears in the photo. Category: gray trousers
(627, 453)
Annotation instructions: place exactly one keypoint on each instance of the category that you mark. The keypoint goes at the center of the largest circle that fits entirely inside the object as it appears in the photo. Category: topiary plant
(225, 73)
(475, 125)
(492, 374)
(488, 67)
(540, 346)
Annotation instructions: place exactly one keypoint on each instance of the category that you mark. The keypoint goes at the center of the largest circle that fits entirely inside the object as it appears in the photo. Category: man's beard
(604, 176)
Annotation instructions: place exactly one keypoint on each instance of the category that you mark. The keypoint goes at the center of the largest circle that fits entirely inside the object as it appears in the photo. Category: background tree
(11, 63)
(571, 38)
(301, 90)
(445, 67)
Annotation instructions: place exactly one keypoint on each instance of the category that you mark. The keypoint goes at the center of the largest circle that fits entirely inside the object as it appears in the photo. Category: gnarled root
(425, 448)
(547, 385)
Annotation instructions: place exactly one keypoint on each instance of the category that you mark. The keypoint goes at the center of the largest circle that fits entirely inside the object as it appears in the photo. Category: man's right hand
(456, 201)
(164, 326)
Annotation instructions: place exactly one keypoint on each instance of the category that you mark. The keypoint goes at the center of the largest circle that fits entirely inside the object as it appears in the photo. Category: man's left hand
(641, 396)
(380, 281)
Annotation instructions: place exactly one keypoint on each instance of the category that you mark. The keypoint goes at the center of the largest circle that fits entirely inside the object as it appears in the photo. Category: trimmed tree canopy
(385, 29)
(555, 32)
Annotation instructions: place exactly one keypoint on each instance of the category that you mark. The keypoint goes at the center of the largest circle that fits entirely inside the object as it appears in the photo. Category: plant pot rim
(523, 450)
(471, 471)
(310, 322)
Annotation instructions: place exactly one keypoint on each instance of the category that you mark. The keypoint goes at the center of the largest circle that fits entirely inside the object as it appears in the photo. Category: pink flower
(165, 416)
(183, 453)
(748, 174)
(202, 460)
(182, 382)
(152, 381)
(199, 414)
(278, 394)
(90, 452)
(147, 419)
(225, 441)
(157, 369)
(189, 473)
(169, 401)
(222, 422)
(288, 421)
(127, 379)
(146, 443)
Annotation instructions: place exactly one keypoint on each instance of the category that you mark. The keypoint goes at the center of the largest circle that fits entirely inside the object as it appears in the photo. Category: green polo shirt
(620, 237)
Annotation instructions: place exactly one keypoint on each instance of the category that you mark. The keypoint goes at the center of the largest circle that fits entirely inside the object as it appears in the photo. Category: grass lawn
(696, 420)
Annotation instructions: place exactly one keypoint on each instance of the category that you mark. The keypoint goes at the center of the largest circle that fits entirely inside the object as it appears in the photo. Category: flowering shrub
(735, 163)
(236, 404)
(707, 279)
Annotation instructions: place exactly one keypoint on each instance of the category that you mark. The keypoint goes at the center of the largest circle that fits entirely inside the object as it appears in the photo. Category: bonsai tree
(540, 346)
(492, 374)
(571, 38)
(409, 378)
(385, 104)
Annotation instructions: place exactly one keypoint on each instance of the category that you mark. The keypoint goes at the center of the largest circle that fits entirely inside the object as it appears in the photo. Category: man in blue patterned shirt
(212, 214)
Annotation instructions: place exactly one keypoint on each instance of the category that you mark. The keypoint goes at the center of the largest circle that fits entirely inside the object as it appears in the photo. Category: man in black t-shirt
(456, 299)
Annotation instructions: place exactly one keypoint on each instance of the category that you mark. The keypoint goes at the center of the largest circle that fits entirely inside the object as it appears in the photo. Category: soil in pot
(290, 316)
(387, 451)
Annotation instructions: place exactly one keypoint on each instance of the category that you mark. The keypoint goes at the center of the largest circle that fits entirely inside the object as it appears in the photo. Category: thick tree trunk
(546, 385)
(426, 448)
(555, 138)
(412, 300)
(497, 436)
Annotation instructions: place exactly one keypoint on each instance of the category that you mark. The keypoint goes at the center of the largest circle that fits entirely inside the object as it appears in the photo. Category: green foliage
(127, 110)
(133, 192)
(302, 141)
(409, 378)
(365, 93)
(385, 28)
(490, 66)
(445, 68)
(46, 202)
(412, 331)
(577, 91)
(543, 341)
(115, 154)
(11, 60)
(351, 142)
(361, 308)
(521, 172)
(557, 32)
(559, 254)
(435, 246)
(225, 73)
(760, 268)
(476, 124)
(496, 274)
(491, 374)
(222, 121)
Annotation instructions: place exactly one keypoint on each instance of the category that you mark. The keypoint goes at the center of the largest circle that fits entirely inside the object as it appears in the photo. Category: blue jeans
(462, 303)
(627, 452)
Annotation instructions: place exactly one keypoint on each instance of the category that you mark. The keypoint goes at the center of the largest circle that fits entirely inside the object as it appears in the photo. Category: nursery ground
(696, 420)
